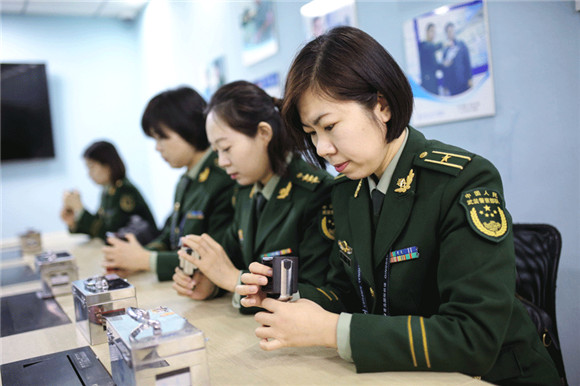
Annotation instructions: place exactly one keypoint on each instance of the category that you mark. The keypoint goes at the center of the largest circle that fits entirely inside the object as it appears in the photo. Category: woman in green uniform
(423, 269)
(203, 196)
(120, 200)
(283, 204)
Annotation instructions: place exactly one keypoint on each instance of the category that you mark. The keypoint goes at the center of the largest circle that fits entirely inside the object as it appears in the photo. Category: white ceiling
(126, 9)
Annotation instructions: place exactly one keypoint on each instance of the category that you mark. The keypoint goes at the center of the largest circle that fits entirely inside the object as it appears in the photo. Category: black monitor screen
(26, 131)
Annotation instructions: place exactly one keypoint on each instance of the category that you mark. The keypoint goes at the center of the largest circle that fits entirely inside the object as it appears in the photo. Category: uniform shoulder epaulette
(307, 179)
(445, 160)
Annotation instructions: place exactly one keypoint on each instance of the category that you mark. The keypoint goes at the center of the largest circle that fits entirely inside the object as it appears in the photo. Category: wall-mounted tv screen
(26, 131)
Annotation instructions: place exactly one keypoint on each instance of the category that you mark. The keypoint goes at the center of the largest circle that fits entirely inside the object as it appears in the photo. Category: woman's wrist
(233, 279)
(330, 329)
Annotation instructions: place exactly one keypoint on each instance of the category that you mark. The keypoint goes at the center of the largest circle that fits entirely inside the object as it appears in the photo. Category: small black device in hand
(284, 280)
(186, 266)
(115, 235)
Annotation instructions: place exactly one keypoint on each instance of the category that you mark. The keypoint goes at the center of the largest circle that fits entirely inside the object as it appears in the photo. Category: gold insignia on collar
(112, 190)
(127, 203)
(308, 178)
(203, 175)
(253, 191)
(119, 183)
(284, 192)
(358, 188)
(404, 184)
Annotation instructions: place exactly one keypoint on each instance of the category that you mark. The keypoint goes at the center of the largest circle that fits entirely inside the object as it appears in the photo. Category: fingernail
(263, 281)
(270, 271)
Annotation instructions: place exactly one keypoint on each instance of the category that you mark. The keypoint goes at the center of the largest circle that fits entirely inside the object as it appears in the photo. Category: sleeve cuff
(153, 261)
(79, 214)
(343, 336)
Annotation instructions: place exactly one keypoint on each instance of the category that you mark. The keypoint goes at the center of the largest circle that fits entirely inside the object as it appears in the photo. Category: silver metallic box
(156, 347)
(98, 297)
(57, 271)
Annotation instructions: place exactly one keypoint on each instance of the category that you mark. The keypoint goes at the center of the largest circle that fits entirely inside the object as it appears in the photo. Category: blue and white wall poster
(320, 16)
(258, 24)
(271, 84)
(449, 64)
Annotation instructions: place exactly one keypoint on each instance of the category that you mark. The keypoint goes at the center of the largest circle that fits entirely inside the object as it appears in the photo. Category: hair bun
(277, 103)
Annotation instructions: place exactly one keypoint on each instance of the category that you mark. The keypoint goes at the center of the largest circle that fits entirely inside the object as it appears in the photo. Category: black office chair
(537, 248)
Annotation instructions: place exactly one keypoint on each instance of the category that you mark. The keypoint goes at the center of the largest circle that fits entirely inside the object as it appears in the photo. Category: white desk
(234, 355)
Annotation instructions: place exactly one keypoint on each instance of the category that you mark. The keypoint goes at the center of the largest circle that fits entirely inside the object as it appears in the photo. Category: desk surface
(234, 355)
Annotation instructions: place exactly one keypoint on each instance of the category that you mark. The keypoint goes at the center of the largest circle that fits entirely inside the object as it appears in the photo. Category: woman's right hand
(252, 283)
(198, 287)
(68, 216)
(72, 200)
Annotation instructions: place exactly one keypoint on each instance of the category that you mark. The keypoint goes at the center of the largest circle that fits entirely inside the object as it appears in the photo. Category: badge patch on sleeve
(127, 203)
(327, 222)
(485, 213)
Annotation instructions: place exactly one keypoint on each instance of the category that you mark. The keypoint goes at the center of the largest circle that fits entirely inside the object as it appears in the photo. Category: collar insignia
(404, 184)
(284, 192)
(358, 188)
(203, 175)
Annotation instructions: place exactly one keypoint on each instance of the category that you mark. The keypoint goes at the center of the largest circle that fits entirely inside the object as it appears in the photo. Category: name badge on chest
(345, 252)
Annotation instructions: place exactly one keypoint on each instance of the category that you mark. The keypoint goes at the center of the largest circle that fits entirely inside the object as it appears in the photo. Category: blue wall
(102, 72)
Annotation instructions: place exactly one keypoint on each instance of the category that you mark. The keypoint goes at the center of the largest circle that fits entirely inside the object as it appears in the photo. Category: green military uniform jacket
(298, 216)
(118, 203)
(450, 277)
(202, 205)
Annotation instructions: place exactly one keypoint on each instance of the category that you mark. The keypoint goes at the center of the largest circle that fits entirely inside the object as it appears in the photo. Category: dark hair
(449, 25)
(346, 64)
(181, 111)
(429, 26)
(105, 153)
(243, 105)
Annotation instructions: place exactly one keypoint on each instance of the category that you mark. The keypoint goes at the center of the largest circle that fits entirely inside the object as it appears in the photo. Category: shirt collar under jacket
(194, 171)
(268, 190)
(385, 180)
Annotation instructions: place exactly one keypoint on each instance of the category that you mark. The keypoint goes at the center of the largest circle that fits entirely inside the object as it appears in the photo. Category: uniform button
(423, 155)
(372, 293)
(177, 205)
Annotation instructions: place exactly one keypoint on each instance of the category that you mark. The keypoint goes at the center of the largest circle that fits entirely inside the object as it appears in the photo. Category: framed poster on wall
(319, 16)
(449, 64)
(258, 24)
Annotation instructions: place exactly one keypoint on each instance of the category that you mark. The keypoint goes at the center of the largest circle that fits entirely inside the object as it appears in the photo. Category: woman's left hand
(213, 260)
(295, 324)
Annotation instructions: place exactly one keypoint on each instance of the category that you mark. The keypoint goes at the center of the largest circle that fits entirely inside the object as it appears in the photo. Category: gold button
(177, 205)
(423, 155)
(372, 293)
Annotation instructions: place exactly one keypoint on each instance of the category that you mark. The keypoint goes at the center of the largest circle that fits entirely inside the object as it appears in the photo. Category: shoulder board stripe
(452, 154)
(444, 163)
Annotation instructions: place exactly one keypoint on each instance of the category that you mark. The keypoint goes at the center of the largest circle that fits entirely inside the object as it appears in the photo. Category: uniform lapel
(399, 200)
(274, 212)
(360, 224)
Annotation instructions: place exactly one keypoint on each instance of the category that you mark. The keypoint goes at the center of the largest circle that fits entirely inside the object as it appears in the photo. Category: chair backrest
(537, 249)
